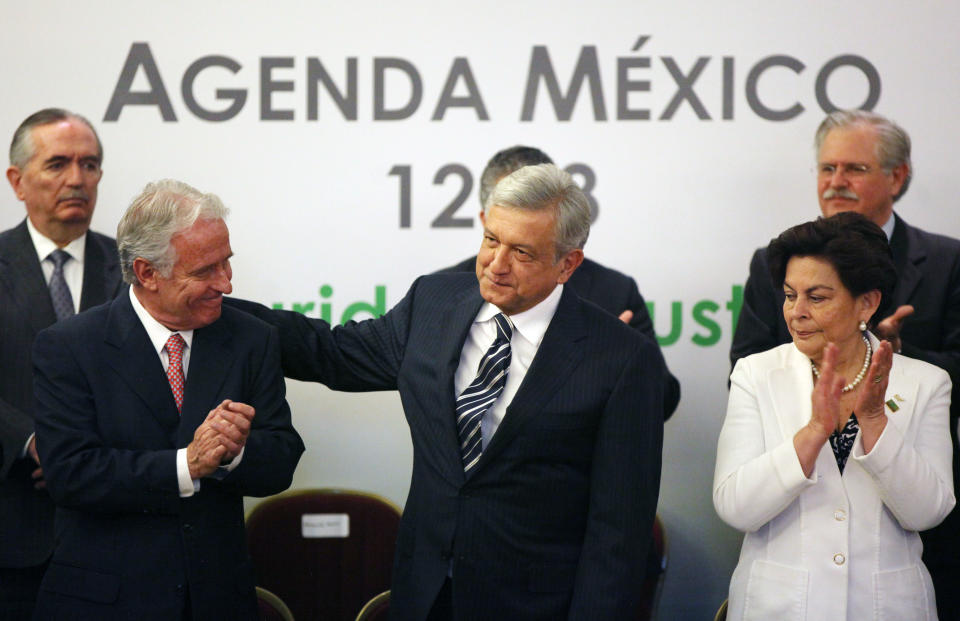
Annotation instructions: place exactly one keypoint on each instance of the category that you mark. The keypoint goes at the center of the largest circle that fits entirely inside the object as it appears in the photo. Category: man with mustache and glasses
(50, 267)
(863, 165)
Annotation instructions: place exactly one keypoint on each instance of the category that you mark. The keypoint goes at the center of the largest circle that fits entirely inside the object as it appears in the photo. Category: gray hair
(22, 148)
(162, 210)
(545, 186)
(505, 162)
(893, 143)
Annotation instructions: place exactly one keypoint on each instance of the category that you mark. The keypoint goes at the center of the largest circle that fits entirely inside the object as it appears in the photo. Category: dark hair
(856, 248)
(505, 162)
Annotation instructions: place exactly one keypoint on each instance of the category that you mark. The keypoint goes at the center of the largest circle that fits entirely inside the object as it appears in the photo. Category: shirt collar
(44, 245)
(888, 225)
(532, 323)
(156, 331)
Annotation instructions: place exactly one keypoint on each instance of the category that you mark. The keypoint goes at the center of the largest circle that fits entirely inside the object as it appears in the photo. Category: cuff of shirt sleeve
(221, 472)
(233, 462)
(26, 446)
(188, 487)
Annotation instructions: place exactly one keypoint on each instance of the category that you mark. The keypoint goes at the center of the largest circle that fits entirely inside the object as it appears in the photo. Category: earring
(863, 326)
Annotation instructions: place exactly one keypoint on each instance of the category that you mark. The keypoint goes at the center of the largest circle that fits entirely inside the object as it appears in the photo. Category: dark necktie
(175, 345)
(59, 291)
(477, 398)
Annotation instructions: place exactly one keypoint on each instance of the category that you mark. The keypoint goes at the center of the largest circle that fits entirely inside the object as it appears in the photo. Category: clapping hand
(827, 412)
(220, 437)
(889, 328)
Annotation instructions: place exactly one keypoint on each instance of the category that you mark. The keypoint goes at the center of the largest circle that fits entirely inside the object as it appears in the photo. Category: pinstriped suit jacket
(26, 515)
(549, 522)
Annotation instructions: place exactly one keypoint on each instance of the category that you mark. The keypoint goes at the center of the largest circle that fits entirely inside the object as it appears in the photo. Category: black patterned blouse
(842, 441)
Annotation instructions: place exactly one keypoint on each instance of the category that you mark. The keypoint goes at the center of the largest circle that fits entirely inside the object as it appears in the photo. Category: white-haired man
(156, 414)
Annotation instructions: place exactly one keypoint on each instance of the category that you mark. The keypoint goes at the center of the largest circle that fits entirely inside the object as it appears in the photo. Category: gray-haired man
(536, 421)
(51, 266)
(156, 414)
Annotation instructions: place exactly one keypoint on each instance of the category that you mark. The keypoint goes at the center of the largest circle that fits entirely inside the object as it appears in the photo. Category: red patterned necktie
(175, 345)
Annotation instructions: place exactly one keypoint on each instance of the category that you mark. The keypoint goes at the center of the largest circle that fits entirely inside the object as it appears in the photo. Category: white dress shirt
(158, 335)
(528, 330)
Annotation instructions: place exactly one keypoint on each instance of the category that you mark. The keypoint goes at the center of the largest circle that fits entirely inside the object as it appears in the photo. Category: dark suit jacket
(928, 270)
(549, 522)
(128, 547)
(614, 292)
(26, 515)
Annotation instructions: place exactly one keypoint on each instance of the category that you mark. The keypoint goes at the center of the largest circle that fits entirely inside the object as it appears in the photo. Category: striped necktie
(477, 398)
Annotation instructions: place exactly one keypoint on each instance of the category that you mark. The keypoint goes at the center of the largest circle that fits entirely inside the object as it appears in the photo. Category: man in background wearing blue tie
(51, 266)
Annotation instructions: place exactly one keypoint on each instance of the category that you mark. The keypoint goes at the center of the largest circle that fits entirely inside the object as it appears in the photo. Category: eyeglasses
(847, 170)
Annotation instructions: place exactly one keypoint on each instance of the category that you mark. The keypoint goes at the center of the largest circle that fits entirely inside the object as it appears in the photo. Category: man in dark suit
(155, 415)
(55, 159)
(535, 480)
(863, 163)
(609, 289)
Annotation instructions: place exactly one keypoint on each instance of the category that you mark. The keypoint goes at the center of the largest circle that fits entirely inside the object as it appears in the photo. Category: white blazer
(831, 546)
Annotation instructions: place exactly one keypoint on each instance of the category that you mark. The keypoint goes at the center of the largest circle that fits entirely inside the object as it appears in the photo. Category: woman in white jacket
(835, 451)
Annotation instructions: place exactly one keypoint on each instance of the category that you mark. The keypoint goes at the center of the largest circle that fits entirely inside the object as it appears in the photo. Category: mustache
(74, 194)
(840, 193)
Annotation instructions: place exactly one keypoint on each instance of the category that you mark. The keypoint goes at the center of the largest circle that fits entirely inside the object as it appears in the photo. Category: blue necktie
(477, 398)
(59, 291)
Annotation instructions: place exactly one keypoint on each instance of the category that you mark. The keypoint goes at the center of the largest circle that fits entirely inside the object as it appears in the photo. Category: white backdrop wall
(721, 162)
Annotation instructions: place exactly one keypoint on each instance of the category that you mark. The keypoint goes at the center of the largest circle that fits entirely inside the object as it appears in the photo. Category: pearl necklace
(863, 369)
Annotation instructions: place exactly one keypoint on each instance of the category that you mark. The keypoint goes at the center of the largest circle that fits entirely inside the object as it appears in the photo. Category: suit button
(839, 559)
(187, 528)
(839, 515)
(179, 589)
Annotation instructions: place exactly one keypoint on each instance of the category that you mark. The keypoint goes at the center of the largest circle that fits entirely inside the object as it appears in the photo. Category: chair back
(722, 611)
(272, 607)
(325, 552)
(377, 609)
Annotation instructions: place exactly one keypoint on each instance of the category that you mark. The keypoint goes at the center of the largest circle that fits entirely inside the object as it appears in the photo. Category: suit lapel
(136, 361)
(28, 288)
(902, 389)
(907, 257)
(790, 388)
(100, 267)
(456, 324)
(210, 359)
(558, 356)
